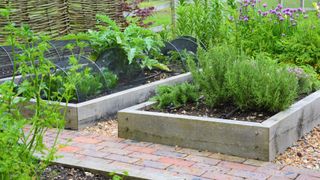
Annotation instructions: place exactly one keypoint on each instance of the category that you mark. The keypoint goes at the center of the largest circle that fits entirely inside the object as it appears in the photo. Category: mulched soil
(224, 111)
(58, 172)
(304, 153)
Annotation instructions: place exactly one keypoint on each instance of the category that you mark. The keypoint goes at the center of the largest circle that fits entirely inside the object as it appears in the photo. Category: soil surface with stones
(304, 153)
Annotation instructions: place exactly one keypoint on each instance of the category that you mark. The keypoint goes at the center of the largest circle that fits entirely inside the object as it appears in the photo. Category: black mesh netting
(180, 47)
(115, 59)
(111, 72)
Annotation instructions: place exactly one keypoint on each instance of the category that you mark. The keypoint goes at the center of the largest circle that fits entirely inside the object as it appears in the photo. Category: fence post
(173, 13)
(302, 4)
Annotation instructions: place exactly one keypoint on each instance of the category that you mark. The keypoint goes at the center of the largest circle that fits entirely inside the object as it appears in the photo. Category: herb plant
(209, 74)
(261, 84)
(176, 96)
(202, 19)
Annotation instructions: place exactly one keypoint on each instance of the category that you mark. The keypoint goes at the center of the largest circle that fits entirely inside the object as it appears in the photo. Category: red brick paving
(155, 161)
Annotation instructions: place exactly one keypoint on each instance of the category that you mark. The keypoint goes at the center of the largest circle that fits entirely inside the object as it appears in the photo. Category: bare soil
(224, 111)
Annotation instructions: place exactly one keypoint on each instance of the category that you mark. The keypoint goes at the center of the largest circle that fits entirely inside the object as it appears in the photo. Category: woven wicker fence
(60, 17)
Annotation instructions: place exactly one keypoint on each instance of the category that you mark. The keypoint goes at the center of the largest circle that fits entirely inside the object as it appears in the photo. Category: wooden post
(302, 4)
(173, 13)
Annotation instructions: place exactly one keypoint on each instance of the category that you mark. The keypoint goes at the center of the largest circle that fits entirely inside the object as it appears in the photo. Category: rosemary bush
(261, 84)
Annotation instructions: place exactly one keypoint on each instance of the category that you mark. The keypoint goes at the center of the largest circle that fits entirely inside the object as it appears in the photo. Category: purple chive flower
(265, 5)
(272, 11)
(264, 13)
(259, 11)
(245, 18)
(279, 6)
(300, 9)
(281, 18)
(231, 18)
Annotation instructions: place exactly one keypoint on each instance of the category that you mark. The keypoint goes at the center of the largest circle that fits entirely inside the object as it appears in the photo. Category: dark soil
(124, 84)
(148, 77)
(227, 111)
(57, 172)
(224, 111)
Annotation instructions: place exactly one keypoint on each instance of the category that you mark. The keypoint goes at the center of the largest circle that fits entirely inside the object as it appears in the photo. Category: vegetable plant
(141, 45)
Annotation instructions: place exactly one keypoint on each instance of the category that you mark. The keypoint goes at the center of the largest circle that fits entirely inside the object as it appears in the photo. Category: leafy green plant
(141, 45)
(261, 84)
(307, 78)
(201, 19)
(209, 74)
(88, 83)
(22, 135)
(176, 96)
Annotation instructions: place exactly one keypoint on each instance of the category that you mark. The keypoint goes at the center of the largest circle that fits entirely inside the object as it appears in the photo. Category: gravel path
(107, 128)
(305, 153)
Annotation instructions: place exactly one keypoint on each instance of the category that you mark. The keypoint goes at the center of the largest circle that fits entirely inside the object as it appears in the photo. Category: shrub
(209, 73)
(261, 85)
(176, 96)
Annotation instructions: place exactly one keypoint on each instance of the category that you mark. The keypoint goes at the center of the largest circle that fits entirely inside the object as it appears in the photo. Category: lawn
(154, 3)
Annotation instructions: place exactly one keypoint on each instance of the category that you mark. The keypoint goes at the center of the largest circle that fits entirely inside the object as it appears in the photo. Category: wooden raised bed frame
(261, 141)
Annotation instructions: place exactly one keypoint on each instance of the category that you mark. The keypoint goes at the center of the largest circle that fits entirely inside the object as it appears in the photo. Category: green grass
(151, 3)
(289, 3)
(162, 17)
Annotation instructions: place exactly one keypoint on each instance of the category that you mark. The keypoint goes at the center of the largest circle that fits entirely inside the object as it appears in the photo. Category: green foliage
(87, 83)
(307, 78)
(110, 77)
(287, 35)
(303, 47)
(261, 85)
(201, 19)
(17, 144)
(141, 45)
(209, 74)
(176, 96)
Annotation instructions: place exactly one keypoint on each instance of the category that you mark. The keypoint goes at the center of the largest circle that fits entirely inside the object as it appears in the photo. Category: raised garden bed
(82, 114)
(96, 101)
(254, 140)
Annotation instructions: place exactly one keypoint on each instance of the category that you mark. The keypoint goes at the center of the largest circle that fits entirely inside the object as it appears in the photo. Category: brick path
(155, 161)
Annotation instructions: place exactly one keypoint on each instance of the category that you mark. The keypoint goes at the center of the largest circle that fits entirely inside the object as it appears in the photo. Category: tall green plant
(209, 74)
(22, 135)
(201, 19)
(261, 84)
